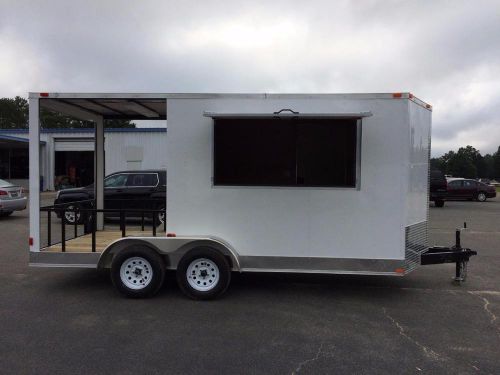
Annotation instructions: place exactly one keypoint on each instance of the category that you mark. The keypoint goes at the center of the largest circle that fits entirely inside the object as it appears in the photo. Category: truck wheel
(137, 272)
(481, 197)
(71, 216)
(6, 213)
(203, 273)
(439, 203)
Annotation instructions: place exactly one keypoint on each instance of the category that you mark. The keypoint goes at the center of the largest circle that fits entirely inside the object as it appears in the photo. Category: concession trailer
(299, 183)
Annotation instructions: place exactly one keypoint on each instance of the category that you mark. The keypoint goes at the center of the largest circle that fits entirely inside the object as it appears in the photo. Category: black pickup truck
(438, 188)
(132, 190)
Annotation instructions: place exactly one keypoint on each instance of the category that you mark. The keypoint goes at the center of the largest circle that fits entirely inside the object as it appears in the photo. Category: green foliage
(14, 115)
(469, 163)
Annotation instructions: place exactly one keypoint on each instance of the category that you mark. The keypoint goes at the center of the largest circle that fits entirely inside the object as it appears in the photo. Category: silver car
(11, 198)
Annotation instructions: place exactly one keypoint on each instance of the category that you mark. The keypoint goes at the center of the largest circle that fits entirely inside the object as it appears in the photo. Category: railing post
(63, 231)
(49, 228)
(122, 222)
(94, 227)
(154, 223)
(76, 224)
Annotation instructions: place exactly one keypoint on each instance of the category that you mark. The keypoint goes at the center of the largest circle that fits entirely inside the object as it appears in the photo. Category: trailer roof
(151, 106)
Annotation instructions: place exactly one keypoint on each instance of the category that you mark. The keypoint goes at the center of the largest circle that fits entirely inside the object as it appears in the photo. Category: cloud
(446, 52)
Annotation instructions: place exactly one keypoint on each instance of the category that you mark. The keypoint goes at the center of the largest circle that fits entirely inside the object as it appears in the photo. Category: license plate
(14, 195)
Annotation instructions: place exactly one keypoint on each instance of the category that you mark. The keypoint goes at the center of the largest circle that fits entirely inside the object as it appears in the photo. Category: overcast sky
(445, 52)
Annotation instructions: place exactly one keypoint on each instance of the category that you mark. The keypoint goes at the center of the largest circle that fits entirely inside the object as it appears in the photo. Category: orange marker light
(397, 95)
(31, 241)
(400, 270)
(171, 235)
(44, 94)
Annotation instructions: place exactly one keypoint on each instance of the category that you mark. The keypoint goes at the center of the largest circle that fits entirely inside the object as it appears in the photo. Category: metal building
(67, 155)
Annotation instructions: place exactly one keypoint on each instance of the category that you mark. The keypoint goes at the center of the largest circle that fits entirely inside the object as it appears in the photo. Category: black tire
(160, 216)
(155, 271)
(199, 255)
(481, 197)
(6, 213)
(439, 203)
(68, 214)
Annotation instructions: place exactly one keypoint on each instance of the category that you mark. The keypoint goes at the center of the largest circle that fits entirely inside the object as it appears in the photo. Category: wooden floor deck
(83, 244)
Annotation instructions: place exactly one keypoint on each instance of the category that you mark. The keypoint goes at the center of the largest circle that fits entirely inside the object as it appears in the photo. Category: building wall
(125, 149)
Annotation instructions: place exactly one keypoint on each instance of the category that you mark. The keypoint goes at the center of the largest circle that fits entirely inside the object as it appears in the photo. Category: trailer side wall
(365, 223)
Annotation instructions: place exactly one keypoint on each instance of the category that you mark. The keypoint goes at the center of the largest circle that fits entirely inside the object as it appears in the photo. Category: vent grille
(416, 242)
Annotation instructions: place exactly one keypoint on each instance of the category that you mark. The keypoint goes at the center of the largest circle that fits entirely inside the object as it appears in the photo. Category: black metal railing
(87, 218)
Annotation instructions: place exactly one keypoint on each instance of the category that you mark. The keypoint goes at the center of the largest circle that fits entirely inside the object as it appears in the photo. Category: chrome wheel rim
(202, 275)
(136, 273)
(481, 197)
(71, 215)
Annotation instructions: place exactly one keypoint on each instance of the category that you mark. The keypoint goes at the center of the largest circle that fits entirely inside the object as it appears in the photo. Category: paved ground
(62, 321)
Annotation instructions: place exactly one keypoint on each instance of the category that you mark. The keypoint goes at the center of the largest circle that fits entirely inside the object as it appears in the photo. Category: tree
(14, 115)
(489, 166)
(438, 163)
(496, 163)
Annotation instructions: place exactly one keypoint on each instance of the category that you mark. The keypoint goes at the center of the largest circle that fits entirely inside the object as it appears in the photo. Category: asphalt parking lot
(71, 320)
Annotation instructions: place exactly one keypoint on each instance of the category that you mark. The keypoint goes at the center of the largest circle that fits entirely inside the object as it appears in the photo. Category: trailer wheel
(203, 274)
(137, 272)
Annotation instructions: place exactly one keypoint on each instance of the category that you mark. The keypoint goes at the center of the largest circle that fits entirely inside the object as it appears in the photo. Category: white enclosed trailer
(315, 183)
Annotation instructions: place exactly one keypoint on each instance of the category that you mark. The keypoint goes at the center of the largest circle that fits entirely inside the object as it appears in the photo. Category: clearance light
(397, 95)
(31, 241)
(44, 94)
(410, 95)
(428, 106)
(399, 270)
(171, 235)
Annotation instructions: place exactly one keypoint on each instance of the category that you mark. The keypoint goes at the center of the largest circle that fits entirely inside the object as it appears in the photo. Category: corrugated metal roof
(10, 139)
(88, 130)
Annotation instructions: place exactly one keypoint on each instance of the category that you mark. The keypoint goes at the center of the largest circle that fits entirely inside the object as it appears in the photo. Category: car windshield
(4, 183)
(115, 180)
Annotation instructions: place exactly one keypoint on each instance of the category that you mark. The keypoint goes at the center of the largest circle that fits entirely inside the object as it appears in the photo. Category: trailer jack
(454, 254)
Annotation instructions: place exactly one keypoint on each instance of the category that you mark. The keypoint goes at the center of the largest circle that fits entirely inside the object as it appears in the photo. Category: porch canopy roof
(109, 108)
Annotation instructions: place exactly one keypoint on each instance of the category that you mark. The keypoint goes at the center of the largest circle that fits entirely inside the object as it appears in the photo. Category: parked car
(122, 190)
(438, 188)
(461, 188)
(12, 198)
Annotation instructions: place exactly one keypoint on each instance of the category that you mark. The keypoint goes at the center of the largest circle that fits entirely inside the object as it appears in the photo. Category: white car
(11, 198)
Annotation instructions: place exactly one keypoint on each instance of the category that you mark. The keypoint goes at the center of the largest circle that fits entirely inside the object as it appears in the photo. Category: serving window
(304, 152)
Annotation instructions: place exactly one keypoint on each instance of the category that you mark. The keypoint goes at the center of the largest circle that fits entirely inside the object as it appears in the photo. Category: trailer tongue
(454, 254)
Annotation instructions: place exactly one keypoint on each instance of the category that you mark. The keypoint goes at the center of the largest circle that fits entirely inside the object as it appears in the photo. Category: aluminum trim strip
(350, 115)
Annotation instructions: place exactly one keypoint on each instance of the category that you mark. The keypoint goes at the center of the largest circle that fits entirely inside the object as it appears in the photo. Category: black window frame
(355, 185)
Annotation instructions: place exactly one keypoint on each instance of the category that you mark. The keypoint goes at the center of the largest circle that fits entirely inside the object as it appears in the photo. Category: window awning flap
(287, 113)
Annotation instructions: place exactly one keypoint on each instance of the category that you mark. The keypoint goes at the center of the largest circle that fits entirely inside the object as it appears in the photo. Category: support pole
(99, 171)
(34, 165)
